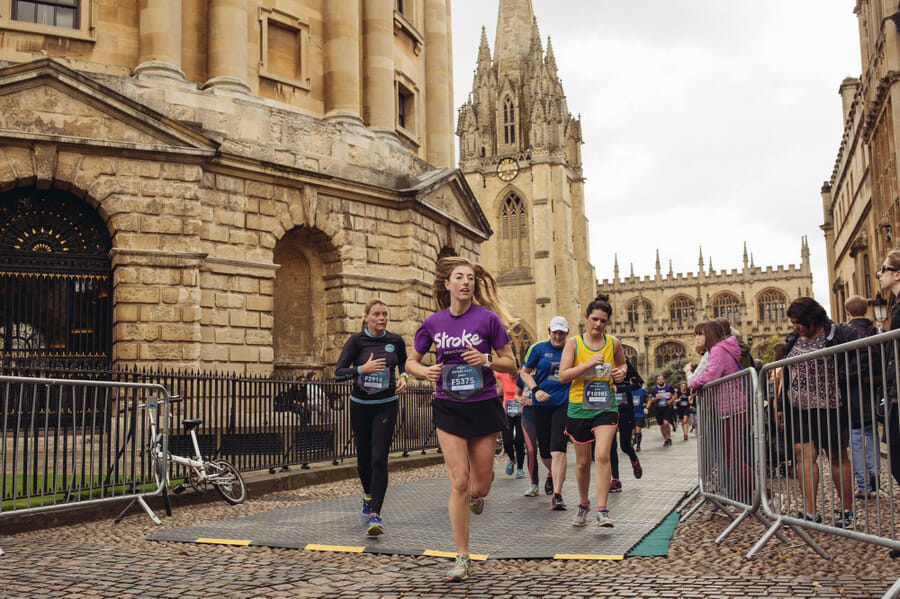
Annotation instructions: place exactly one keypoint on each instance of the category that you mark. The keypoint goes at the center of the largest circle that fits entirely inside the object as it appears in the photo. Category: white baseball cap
(559, 323)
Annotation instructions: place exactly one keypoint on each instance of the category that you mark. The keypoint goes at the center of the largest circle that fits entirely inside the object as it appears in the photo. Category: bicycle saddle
(192, 423)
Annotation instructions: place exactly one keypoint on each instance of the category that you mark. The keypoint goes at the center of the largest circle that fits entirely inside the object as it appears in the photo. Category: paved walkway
(511, 526)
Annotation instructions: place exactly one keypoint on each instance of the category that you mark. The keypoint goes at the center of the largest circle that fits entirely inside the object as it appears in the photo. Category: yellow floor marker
(243, 542)
(475, 557)
(338, 548)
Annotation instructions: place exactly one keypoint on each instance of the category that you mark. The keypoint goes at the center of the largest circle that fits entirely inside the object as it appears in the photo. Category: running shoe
(476, 505)
(460, 569)
(685, 437)
(809, 517)
(533, 491)
(548, 485)
(520, 473)
(581, 515)
(844, 519)
(667, 442)
(376, 528)
(603, 519)
(366, 509)
(557, 503)
(615, 486)
(636, 467)
(510, 466)
(637, 449)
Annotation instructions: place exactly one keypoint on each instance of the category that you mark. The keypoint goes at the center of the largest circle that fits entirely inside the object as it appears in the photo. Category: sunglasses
(886, 268)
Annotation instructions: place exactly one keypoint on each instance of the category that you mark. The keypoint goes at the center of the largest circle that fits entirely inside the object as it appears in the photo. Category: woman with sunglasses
(889, 280)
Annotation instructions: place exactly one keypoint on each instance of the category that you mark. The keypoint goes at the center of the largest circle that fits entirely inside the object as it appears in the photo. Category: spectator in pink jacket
(725, 409)
(724, 353)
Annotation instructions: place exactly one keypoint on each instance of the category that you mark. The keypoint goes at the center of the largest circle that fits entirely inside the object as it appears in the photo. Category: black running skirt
(470, 419)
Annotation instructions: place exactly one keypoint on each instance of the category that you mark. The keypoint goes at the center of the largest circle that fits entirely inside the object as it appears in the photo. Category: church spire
(671, 272)
(515, 22)
(700, 262)
(616, 268)
(658, 270)
(550, 60)
(746, 260)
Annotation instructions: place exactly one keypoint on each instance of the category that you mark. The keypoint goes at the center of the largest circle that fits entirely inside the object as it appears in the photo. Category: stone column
(227, 50)
(438, 85)
(342, 76)
(160, 39)
(378, 81)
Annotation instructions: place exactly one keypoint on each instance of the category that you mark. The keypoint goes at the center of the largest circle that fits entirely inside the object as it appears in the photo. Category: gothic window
(509, 121)
(519, 341)
(772, 306)
(727, 306)
(630, 353)
(668, 351)
(681, 311)
(633, 308)
(58, 13)
(513, 233)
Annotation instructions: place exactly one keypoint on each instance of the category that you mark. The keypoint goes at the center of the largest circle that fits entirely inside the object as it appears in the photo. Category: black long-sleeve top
(356, 352)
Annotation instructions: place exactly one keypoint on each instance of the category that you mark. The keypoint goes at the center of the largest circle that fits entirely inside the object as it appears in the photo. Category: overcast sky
(705, 122)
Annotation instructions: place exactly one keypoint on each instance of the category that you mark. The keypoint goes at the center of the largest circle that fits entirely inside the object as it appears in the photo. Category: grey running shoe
(557, 503)
(603, 519)
(460, 569)
(581, 516)
(476, 505)
(533, 491)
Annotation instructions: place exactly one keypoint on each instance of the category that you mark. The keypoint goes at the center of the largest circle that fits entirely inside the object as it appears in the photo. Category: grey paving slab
(511, 526)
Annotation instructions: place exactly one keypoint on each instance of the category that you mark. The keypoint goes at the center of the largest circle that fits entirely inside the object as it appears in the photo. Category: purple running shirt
(479, 328)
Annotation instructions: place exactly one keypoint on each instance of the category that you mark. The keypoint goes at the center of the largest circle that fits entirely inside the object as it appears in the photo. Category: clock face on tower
(507, 169)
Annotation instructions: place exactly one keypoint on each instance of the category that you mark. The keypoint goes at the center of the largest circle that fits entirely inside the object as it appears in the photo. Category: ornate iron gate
(55, 281)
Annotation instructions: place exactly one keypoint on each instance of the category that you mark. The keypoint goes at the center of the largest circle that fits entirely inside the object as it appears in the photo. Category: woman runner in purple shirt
(467, 411)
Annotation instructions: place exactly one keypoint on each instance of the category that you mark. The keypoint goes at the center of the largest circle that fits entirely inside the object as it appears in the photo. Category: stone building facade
(520, 151)
(654, 316)
(223, 184)
(861, 200)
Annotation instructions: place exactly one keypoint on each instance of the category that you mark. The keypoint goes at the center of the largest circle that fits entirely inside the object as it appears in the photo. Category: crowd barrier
(72, 441)
(67, 440)
(803, 444)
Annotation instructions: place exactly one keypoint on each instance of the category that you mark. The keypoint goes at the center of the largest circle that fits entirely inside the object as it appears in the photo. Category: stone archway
(55, 281)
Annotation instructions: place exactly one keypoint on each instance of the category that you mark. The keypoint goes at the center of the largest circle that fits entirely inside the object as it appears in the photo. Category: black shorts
(823, 428)
(664, 414)
(550, 425)
(683, 411)
(469, 419)
(581, 430)
(640, 422)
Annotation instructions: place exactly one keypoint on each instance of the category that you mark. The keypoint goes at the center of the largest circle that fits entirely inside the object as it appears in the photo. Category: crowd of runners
(568, 389)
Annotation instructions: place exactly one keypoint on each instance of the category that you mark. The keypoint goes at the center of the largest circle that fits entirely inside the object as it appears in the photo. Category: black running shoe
(548, 485)
(557, 503)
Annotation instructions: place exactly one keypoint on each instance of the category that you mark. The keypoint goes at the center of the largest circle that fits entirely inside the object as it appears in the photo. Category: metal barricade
(64, 442)
(727, 448)
(823, 440)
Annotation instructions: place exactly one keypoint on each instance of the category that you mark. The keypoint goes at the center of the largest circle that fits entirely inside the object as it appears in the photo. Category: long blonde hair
(485, 292)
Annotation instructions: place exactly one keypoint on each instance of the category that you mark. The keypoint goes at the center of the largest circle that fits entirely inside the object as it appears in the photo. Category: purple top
(479, 328)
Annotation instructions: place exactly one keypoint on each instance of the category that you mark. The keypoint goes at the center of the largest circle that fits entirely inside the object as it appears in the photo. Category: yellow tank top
(583, 353)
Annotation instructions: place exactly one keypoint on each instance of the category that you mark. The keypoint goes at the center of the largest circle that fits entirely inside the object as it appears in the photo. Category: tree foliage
(672, 370)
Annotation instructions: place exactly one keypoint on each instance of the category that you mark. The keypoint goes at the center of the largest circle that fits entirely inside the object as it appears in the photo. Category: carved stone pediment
(48, 102)
(446, 191)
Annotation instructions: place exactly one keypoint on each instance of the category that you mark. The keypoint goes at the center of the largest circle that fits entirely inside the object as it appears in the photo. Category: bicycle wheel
(227, 481)
(498, 448)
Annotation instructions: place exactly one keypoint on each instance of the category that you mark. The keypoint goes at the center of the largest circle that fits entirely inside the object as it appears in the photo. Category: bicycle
(202, 473)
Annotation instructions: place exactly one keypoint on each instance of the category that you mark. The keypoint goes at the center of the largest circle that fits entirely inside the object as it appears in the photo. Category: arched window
(630, 353)
(633, 308)
(728, 306)
(772, 305)
(513, 233)
(668, 351)
(509, 121)
(681, 311)
(55, 280)
(519, 341)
